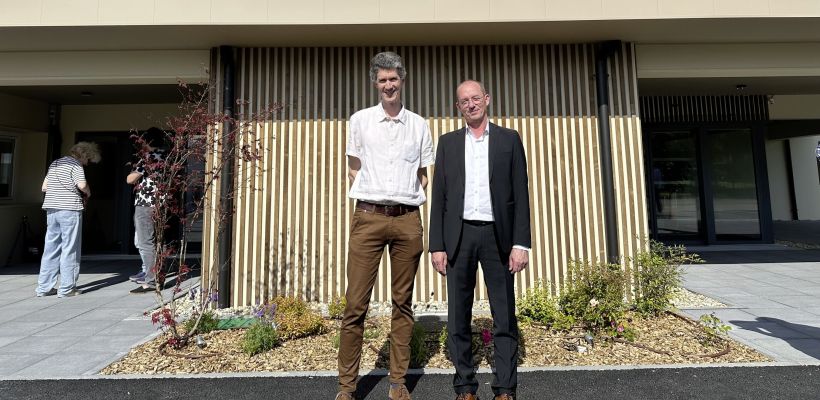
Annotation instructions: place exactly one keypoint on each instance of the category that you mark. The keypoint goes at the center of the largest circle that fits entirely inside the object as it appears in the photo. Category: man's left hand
(518, 260)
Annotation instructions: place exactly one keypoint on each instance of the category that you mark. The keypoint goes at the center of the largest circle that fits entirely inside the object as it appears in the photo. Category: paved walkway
(773, 298)
(47, 337)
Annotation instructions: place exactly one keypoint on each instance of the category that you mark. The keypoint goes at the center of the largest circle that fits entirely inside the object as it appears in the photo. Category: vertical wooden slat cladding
(670, 109)
(292, 213)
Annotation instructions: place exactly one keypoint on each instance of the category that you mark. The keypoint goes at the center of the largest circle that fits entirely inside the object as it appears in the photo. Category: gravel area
(677, 338)
(686, 299)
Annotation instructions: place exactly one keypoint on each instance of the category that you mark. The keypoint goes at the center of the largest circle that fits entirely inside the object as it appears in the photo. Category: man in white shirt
(388, 151)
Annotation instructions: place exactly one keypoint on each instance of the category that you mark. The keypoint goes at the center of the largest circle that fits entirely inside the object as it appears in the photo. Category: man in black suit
(480, 213)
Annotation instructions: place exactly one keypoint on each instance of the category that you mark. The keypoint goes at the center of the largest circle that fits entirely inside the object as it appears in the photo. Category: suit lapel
(461, 138)
(492, 148)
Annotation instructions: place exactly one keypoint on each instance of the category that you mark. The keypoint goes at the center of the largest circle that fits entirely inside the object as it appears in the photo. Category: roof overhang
(158, 37)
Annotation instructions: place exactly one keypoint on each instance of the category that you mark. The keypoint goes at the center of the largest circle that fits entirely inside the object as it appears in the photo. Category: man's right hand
(439, 259)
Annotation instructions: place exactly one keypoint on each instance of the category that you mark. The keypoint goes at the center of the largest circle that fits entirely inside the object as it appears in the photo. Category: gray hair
(386, 60)
(86, 152)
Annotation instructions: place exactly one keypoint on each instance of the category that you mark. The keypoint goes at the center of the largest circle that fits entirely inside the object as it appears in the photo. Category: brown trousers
(369, 234)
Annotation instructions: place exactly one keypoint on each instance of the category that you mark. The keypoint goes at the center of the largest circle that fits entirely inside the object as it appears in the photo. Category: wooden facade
(292, 213)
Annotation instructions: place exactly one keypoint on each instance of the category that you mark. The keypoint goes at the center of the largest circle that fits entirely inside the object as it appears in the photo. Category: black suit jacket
(509, 192)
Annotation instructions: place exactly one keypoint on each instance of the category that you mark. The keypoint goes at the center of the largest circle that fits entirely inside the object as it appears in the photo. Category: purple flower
(620, 328)
(213, 297)
(192, 293)
(486, 337)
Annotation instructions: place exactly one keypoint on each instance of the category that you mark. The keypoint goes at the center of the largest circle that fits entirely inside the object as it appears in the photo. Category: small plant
(336, 307)
(336, 340)
(263, 334)
(442, 337)
(593, 295)
(418, 346)
(294, 319)
(207, 322)
(538, 305)
(371, 333)
(714, 330)
(259, 338)
(621, 329)
(657, 276)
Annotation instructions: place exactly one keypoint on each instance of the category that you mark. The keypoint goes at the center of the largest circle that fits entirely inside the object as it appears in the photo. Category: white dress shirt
(478, 205)
(391, 151)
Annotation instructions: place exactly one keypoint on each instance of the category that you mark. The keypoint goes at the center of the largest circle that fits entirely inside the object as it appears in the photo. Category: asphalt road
(770, 382)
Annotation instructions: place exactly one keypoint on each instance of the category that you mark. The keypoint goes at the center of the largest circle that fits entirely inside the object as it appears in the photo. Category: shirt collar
(469, 134)
(382, 115)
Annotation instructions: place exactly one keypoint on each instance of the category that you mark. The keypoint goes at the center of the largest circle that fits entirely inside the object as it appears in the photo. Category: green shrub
(538, 305)
(593, 295)
(657, 276)
(260, 337)
(714, 330)
(442, 337)
(336, 340)
(336, 307)
(207, 323)
(418, 346)
(294, 319)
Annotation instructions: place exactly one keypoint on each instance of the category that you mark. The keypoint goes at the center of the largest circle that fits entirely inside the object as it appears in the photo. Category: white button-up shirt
(477, 203)
(391, 151)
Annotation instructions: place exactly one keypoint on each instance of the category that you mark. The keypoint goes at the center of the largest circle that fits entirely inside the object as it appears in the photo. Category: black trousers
(478, 244)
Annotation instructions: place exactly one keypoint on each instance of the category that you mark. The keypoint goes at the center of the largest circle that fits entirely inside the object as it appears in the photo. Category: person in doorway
(145, 201)
(388, 149)
(480, 213)
(66, 193)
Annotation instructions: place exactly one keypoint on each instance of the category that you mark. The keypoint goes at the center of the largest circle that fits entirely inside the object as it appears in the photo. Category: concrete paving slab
(40, 345)
(17, 328)
(75, 327)
(63, 364)
(53, 314)
(797, 301)
(108, 344)
(113, 314)
(128, 327)
(787, 314)
(13, 363)
(4, 340)
(792, 350)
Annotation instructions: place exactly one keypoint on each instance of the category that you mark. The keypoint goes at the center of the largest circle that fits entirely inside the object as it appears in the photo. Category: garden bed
(679, 338)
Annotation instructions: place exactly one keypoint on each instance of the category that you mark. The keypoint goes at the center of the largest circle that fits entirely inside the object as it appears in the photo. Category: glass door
(733, 184)
(707, 185)
(675, 182)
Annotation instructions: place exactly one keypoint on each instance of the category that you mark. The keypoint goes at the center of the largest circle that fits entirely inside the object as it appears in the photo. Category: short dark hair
(154, 137)
(386, 60)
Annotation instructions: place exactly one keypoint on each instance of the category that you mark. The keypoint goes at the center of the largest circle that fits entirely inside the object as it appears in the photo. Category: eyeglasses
(465, 102)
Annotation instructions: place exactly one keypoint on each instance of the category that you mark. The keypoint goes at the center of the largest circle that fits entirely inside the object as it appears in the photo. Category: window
(6, 166)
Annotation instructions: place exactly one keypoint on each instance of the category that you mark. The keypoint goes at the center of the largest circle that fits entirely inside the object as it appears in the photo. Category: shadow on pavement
(369, 382)
(763, 326)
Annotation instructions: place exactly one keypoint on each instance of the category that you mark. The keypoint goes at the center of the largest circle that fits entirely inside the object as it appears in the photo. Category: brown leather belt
(390, 211)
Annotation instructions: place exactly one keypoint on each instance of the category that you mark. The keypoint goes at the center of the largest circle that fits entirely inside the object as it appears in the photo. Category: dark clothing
(478, 245)
(508, 190)
(468, 243)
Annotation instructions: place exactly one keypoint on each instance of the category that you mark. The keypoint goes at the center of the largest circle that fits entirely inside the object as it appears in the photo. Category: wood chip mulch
(669, 334)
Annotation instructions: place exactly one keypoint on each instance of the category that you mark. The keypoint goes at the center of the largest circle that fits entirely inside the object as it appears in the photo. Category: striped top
(63, 177)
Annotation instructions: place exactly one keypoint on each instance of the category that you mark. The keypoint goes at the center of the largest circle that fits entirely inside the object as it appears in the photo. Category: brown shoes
(398, 392)
(504, 396)
(466, 396)
(344, 396)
